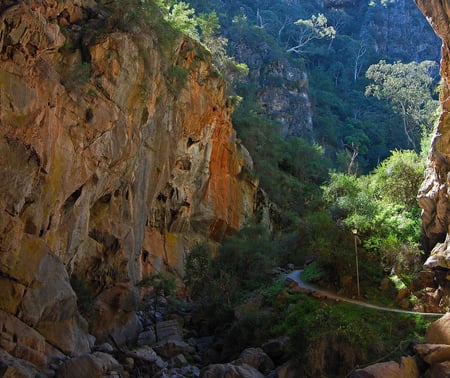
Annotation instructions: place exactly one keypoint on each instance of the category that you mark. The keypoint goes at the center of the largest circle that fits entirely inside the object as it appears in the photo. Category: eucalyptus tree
(408, 87)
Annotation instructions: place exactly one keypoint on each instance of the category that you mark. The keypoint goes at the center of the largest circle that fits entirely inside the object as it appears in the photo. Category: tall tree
(408, 87)
(313, 28)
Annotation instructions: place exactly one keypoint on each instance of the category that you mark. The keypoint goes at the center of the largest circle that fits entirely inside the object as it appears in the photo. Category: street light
(355, 234)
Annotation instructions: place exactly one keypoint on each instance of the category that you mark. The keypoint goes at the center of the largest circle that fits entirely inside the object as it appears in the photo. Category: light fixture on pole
(355, 234)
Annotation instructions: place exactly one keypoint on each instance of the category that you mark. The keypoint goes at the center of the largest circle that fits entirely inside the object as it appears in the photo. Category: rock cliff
(433, 194)
(118, 154)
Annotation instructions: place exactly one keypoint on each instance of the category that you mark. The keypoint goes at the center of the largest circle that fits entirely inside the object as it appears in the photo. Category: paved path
(295, 276)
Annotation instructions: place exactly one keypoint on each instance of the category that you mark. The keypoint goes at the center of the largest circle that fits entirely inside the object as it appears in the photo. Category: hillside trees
(408, 87)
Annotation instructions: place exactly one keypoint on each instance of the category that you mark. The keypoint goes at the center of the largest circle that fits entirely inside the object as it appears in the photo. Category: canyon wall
(433, 194)
(117, 156)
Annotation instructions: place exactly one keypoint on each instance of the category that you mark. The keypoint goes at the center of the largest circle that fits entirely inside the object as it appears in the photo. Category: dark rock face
(388, 29)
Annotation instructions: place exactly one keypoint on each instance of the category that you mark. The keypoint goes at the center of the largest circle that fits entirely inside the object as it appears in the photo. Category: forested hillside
(310, 75)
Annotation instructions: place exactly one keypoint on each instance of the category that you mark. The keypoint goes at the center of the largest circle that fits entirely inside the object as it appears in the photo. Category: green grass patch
(313, 273)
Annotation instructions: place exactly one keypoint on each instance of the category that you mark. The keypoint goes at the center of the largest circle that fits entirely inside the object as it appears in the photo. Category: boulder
(256, 358)
(409, 367)
(146, 338)
(433, 353)
(169, 330)
(147, 354)
(89, 365)
(21, 341)
(402, 294)
(406, 369)
(171, 348)
(389, 369)
(439, 370)
(230, 371)
(289, 369)
(178, 361)
(439, 331)
(276, 348)
(17, 368)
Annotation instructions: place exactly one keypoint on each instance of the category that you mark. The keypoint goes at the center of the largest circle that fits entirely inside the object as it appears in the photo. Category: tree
(310, 29)
(359, 52)
(408, 88)
(397, 179)
(182, 17)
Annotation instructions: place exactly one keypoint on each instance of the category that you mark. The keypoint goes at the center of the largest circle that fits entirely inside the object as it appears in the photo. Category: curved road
(295, 276)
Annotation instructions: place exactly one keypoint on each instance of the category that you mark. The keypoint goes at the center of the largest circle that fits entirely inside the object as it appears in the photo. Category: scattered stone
(146, 338)
(14, 367)
(385, 284)
(433, 353)
(129, 363)
(402, 294)
(276, 348)
(105, 348)
(404, 304)
(426, 278)
(288, 370)
(148, 355)
(256, 358)
(408, 365)
(230, 371)
(389, 369)
(178, 361)
(439, 370)
(86, 365)
(178, 318)
(171, 348)
(169, 330)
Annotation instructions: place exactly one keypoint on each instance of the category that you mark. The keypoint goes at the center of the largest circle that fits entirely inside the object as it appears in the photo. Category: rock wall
(433, 194)
(117, 155)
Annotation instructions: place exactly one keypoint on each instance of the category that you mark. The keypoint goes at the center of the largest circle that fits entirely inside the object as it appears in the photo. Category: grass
(371, 334)
(313, 273)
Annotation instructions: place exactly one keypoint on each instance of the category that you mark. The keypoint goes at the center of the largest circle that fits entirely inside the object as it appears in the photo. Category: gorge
(119, 157)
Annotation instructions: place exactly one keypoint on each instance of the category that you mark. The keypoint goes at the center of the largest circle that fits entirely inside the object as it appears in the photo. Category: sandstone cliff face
(433, 195)
(117, 157)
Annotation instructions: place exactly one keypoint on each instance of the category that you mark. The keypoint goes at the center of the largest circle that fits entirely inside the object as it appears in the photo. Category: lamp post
(355, 234)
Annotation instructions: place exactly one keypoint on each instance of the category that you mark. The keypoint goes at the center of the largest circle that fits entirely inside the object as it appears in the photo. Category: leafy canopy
(408, 87)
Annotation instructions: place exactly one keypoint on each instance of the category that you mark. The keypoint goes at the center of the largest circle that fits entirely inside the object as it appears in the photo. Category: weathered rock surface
(439, 331)
(433, 353)
(433, 194)
(406, 368)
(118, 154)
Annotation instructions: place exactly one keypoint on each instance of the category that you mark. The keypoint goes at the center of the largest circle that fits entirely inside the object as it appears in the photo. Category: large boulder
(439, 331)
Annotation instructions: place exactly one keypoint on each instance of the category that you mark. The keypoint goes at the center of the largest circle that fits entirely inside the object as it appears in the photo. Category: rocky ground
(172, 343)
